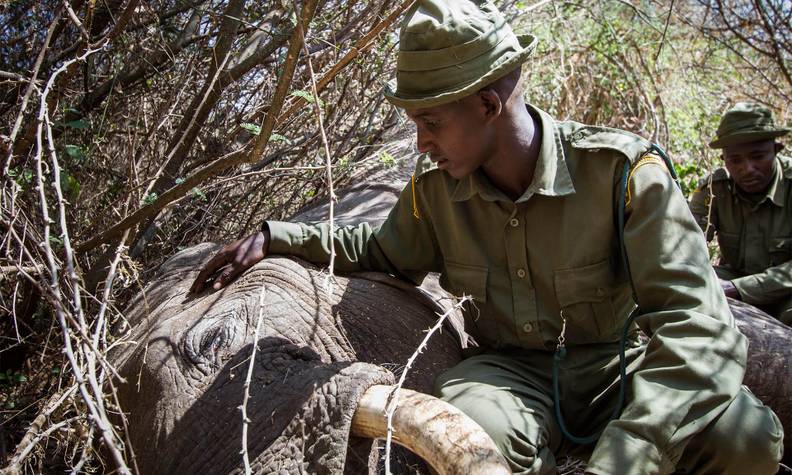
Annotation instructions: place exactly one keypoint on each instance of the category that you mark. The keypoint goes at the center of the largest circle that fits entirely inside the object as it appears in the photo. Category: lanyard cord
(560, 352)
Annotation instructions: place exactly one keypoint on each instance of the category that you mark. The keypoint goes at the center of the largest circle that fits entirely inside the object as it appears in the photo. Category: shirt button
(528, 327)
(521, 273)
(600, 292)
(514, 222)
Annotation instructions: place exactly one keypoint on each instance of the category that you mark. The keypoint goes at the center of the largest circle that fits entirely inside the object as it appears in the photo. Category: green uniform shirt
(754, 236)
(556, 249)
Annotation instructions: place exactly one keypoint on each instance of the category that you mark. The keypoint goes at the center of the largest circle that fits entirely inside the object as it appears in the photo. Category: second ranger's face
(751, 165)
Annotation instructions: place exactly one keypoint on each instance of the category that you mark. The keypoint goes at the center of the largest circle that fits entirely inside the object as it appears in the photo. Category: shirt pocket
(780, 250)
(729, 245)
(465, 279)
(585, 296)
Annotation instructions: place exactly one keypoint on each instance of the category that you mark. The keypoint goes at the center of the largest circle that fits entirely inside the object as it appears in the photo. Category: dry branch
(360, 46)
(393, 399)
(249, 377)
(29, 91)
(87, 384)
(235, 158)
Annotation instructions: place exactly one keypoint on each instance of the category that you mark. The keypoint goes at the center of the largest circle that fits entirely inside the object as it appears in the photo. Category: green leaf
(386, 158)
(81, 124)
(20, 378)
(74, 151)
(280, 138)
(69, 185)
(199, 193)
(179, 181)
(23, 178)
(252, 128)
(150, 198)
(55, 241)
(55, 370)
(307, 96)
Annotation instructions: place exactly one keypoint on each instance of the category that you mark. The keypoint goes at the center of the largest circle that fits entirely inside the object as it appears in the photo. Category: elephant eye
(207, 343)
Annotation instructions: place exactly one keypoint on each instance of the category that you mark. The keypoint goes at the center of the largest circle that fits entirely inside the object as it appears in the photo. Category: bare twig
(88, 386)
(33, 434)
(235, 158)
(665, 30)
(14, 465)
(328, 168)
(535, 6)
(73, 16)
(8, 271)
(360, 46)
(23, 107)
(393, 402)
(251, 364)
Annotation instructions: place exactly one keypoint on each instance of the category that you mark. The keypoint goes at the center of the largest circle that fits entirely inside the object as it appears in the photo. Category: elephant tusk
(448, 440)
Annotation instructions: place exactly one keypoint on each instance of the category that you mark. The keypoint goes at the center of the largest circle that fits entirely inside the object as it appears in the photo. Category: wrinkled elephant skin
(187, 360)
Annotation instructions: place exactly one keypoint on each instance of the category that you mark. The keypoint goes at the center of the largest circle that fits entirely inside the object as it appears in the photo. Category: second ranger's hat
(449, 49)
(746, 122)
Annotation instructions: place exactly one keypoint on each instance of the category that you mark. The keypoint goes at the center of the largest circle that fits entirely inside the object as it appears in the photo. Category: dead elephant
(317, 355)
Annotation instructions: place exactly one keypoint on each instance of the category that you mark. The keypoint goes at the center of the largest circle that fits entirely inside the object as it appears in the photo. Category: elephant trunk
(447, 439)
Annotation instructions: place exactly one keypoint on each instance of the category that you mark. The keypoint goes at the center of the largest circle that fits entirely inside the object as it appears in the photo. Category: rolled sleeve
(284, 237)
(768, 287)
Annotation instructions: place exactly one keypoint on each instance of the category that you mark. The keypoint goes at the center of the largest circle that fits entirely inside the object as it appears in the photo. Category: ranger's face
(455, 136)
(751, 165)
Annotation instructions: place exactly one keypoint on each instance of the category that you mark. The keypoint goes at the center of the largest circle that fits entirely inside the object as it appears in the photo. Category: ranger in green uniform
(529, 216)
(748, 204)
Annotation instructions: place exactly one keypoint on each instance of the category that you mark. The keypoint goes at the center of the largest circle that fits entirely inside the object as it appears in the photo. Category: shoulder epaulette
(591, 138)
(786, 165)
(720, 174)
(647, 158)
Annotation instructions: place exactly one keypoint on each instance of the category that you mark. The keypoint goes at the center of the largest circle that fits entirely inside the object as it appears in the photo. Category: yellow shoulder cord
(415, 202)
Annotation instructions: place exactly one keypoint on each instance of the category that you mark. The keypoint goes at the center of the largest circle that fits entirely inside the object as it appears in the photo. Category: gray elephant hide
(186, 358)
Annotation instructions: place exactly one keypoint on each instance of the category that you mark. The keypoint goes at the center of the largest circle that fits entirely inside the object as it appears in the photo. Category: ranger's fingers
(216, 262)
(227, 276)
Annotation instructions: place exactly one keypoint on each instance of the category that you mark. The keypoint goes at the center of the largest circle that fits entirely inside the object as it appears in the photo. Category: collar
(551, 177)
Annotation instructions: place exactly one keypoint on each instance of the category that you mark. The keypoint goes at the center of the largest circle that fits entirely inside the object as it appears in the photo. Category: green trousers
(510, 395)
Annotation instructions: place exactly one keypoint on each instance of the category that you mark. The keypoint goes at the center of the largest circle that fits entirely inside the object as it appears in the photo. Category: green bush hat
(449, 49)
(746, 122)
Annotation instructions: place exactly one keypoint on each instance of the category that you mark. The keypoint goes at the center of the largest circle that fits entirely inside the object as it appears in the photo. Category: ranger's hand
(233, 259)
(730, 290)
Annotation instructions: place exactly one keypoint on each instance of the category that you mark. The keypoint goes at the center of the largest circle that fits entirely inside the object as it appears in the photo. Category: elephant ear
(315, 440)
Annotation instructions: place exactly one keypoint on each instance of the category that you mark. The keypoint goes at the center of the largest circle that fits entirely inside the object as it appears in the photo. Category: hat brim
(747, 137)
(528, 44)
